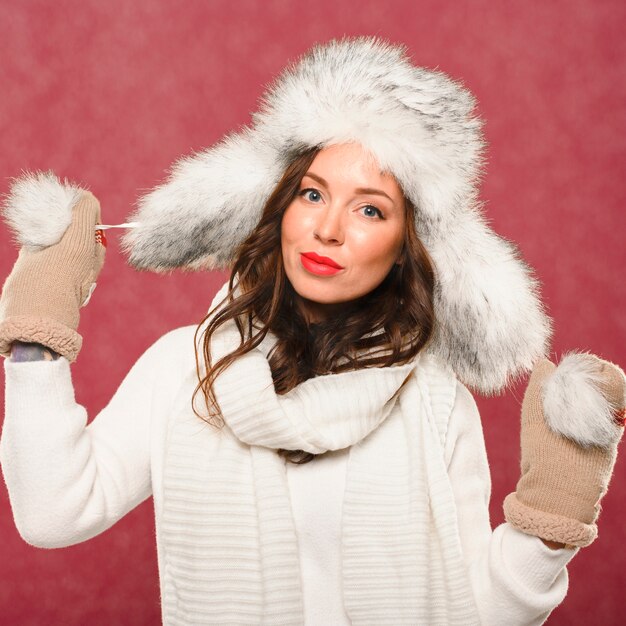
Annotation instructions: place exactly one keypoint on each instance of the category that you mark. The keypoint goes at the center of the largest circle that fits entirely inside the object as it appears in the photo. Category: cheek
(296, 227)
(285, 229)
(379, 250)
(291, 233)
(291, 227)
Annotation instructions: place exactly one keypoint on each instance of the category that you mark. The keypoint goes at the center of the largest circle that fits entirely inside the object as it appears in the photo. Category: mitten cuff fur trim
(47, 332)
(548, 526)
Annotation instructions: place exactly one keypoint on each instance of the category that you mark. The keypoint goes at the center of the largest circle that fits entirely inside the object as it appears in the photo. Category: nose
(329, 228)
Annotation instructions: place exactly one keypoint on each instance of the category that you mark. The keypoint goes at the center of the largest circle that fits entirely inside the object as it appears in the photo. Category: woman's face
(343, 232)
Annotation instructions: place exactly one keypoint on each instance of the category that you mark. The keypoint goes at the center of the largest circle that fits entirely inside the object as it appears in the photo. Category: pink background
(109, 94)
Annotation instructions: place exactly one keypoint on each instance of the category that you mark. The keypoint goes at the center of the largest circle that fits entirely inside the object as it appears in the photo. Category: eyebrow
(359, 190)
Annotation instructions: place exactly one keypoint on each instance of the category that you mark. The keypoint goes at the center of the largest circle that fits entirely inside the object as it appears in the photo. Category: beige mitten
(572, 421)
(42, 296)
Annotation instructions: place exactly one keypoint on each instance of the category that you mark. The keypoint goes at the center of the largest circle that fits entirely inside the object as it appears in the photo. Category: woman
(339, 475)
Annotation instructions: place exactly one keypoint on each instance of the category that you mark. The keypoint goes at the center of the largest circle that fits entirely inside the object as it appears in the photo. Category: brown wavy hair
(387, 326)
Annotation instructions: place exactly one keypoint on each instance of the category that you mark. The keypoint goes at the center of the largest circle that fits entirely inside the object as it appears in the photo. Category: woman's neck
(319, 312)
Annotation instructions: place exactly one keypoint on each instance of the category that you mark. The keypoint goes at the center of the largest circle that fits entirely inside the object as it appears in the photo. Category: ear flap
(490, 323)
(208, 206)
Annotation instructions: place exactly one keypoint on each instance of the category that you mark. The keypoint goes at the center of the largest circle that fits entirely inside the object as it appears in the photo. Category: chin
(322, 296)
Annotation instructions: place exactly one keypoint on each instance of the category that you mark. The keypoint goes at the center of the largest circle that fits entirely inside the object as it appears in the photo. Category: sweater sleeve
(516, 579)
(69, 481)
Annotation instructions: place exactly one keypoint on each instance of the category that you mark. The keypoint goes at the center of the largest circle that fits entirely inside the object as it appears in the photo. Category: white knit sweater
(68, 482)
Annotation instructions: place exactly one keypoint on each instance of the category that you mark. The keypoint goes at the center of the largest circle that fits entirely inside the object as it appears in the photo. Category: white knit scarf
(230, 551)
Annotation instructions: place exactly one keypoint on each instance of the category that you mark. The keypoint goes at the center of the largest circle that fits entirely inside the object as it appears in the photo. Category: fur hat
(421, 127)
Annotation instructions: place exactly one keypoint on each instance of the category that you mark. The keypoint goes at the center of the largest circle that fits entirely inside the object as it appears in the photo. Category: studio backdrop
(110, 94)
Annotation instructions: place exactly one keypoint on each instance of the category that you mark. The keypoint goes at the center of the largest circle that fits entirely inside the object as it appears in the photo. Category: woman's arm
(517, 580)
(21, 351)
(69, 481)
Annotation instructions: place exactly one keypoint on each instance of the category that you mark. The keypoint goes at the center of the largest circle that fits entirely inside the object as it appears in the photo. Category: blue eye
(312, 195)
(371, 211)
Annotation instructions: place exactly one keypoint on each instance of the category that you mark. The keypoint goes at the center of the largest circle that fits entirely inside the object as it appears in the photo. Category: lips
(322, 260)
(319, 265)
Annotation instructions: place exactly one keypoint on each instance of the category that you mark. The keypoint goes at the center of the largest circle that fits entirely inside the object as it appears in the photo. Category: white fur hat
(421, 127)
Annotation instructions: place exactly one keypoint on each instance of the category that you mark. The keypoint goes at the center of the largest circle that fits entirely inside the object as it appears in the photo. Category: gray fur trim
(575, 407)
(490, 324)
(38, 208)
(211, 202)
(420, 125)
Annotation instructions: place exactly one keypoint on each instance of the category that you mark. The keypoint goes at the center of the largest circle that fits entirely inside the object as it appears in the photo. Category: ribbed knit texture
(227, 520)
(68, 482)
(401, 550)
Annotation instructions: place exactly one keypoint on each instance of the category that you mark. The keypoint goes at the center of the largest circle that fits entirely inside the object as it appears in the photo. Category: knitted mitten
(42, 296)
(572, 421)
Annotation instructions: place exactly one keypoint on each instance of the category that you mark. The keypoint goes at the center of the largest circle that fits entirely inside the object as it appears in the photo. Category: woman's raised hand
(42, 296)
(572, 422)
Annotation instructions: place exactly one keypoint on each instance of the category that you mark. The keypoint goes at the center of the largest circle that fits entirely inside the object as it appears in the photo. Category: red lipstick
(319, 265)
